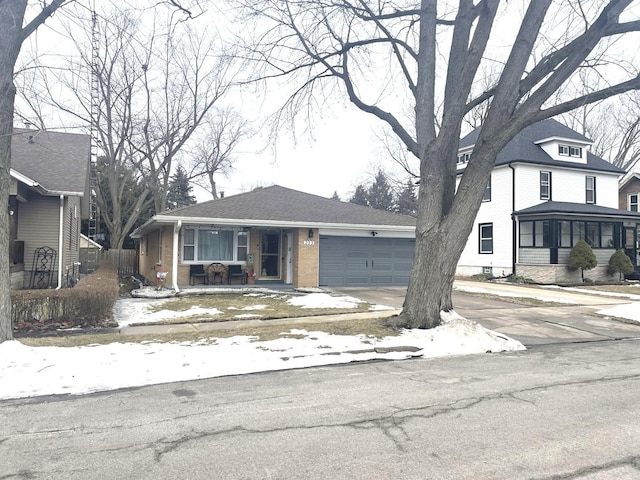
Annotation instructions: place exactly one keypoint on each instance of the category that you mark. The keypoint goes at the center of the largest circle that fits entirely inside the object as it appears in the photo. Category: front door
(270, 254)
(630, 244)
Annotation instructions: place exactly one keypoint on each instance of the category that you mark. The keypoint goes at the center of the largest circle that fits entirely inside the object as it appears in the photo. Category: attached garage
(362, 261)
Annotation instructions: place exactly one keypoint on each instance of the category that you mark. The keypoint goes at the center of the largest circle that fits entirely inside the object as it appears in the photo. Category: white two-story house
(547, 192)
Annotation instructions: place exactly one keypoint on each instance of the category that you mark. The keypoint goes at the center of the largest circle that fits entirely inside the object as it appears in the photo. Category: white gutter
(60, 242)
(279, 224)
(174, 259)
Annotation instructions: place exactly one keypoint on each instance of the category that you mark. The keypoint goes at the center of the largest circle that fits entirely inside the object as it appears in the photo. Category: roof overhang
(556, 138)
(39, 188)
(157, 221)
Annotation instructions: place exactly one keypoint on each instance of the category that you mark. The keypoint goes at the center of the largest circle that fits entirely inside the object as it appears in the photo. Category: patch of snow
(630, 296)
(132, 311)
(28, 371)
(247, 315)
(255, 307)
(324, 300)
(629, 311)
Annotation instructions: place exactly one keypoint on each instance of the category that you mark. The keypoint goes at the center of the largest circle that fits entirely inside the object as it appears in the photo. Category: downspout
(60, 242)
(174, 259)
(514, 224)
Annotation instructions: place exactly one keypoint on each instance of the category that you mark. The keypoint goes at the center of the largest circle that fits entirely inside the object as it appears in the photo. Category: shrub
(620, 263)
(582, 257)
(482, 277)
(89, 304)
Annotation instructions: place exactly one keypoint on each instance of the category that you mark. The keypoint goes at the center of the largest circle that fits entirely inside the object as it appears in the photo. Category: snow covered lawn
(29, 371)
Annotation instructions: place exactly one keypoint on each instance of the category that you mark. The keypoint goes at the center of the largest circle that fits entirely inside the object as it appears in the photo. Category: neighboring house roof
(568, 208)
(86, 242)
(280, 206)
(523, 148)
(56, 162)
(628, 178)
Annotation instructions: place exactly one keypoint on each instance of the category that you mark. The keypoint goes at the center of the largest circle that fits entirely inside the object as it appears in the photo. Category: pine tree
(582, 257)
(380, 194)
(407, 202)
(179, 194)
(360, 196)
(620, 263)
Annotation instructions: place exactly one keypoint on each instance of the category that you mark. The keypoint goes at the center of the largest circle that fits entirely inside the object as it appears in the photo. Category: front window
(591, 189)
(535, 234)
(545, 185)
(593, 234)
(214, 245)
(486, 238)
(633, 202)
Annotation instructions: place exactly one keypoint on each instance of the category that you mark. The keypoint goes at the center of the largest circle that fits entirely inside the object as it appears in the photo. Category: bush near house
(89, 304)
(620, 263)
(582, 257)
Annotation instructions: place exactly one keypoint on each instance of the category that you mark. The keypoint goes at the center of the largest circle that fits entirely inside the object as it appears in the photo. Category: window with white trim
(545, 185)
(207, 244)
(487, 192)
(486, 237)
(633, 202)
(591, 189)
(569, 151)
(463, 158)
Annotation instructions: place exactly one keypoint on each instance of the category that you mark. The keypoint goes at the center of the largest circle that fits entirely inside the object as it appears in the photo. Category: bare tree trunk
(11, 16)
(12, 34)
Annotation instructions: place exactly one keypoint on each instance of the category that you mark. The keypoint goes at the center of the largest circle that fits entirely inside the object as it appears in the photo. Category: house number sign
(309, 242)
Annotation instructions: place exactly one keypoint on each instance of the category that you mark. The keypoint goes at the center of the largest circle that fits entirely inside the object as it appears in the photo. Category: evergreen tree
(407, 202)
(335, 196)
(179, 194)
(582, 257)
(620, 263)
(360, 196)
(380, 194)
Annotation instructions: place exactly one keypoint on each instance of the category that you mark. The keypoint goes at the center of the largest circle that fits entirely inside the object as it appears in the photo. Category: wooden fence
(125, 261)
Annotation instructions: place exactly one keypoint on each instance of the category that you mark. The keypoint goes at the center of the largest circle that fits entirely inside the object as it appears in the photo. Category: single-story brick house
(279, 235)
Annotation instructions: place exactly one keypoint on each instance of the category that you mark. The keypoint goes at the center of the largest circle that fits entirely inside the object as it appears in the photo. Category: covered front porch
(201, 255)
(546, 233)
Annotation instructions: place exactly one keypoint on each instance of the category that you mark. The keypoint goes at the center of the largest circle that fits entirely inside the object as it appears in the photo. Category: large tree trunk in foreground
(11, 15)
(12, 34)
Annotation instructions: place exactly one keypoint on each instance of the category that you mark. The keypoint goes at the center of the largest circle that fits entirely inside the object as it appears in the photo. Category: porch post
(174, 259)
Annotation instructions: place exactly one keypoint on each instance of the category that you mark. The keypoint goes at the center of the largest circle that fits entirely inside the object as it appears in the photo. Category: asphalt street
(564, 411)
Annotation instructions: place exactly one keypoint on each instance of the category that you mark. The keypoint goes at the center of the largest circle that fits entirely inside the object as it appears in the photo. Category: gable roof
(584, 209)
(56, 162)
(631, 176)
(523, 148)
(281, 207)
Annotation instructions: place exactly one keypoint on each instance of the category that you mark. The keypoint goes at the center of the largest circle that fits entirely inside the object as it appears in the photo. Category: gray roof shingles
(58, 161)
(586, 209)
(278, 203)
(523, 149)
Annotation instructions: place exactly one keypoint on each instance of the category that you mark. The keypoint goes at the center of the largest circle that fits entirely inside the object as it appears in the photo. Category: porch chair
(236, 271)
(197, 271)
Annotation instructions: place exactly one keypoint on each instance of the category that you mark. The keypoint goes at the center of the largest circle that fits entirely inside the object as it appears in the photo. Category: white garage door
(352, 261)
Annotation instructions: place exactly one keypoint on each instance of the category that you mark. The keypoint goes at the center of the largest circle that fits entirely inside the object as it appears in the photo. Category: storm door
(270, 254)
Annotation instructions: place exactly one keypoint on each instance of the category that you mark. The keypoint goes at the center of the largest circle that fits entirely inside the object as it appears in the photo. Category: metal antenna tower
(94, 212)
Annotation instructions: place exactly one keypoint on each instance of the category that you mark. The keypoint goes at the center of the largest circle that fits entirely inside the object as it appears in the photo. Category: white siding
(567, 185)
(498, 212)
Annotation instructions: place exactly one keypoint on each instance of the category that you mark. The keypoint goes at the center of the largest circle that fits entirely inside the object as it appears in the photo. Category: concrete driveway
(531, 325)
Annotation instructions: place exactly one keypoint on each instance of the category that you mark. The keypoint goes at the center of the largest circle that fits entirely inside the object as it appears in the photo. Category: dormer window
(569, 151)
(463, 158)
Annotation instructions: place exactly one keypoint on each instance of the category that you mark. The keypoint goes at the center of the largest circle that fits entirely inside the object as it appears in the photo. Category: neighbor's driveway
(531, 325)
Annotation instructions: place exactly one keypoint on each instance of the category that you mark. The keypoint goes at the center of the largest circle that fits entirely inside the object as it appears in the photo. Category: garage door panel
(361, 261)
